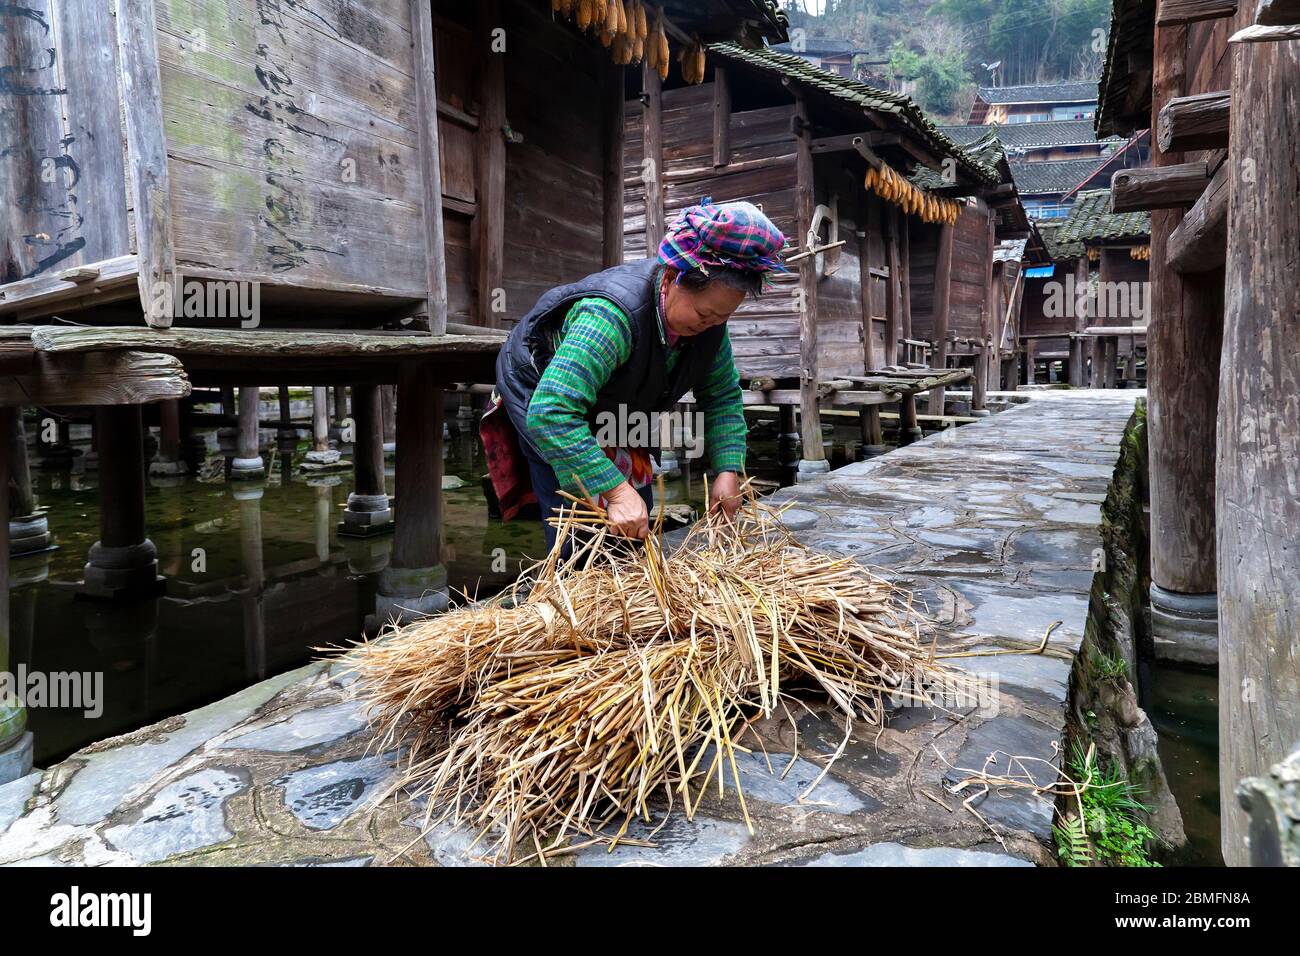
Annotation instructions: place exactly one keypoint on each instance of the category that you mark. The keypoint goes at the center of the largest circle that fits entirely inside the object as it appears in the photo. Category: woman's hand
(724, 494)
(627, 513)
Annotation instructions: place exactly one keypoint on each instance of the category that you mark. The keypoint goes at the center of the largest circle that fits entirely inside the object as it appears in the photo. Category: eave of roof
(859, 94)
(1073, 91)
(1121, 110)
(1091, 221)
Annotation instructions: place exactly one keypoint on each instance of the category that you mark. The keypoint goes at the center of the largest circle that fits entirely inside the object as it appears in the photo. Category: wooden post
(980, 381)
(612, 187)
(321, 454)
(721, 117)
(1030, 362)
(813, 461)
(368, 511)
(169, 462)
(137, 50)
(426, 109)
(869, 221)
(1184, 343)
(248, 461)
(123, 563)
(1259, 443)
(909, 430)
(652, 132)
(29, 529)
(490, 163)
(1079, 305)
(942, 294)
(415, 582)
(1111, 358)
(388, 414)
(894, 295)
(905, 275)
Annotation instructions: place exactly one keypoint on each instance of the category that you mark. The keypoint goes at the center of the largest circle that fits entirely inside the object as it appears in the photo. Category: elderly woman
(628, 342)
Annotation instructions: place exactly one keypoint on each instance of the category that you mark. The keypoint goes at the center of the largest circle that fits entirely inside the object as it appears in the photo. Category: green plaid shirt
(595, 339)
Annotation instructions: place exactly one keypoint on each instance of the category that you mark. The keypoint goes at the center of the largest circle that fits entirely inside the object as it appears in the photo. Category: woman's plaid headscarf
(733, 235)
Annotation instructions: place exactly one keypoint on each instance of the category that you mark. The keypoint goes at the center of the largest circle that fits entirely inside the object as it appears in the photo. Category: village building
(1033, 103)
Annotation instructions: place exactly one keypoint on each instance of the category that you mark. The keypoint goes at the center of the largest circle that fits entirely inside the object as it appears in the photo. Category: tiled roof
(859, 94)
(1054, 176)
(1010, 250)
(1132, 31)
(1057, 250)
(1031, 135)
(1091, 220)
(1071, 92)
(820, 45)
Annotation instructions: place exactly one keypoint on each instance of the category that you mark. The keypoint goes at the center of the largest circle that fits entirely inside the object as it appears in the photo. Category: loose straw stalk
(628, 674)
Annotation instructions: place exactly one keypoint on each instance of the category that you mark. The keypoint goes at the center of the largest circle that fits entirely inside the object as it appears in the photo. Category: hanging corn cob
(893, 188)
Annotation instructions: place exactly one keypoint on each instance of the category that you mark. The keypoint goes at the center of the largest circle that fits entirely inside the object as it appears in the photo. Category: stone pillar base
(871, 451)
(16, 759)
(980, 413)
(247, 469)
(324, 462)
(30, 534)
(812, 470)
(167, 469)
(408, 594)
(908, 435)
(1185, 627)
(366, 515)
(122, 574)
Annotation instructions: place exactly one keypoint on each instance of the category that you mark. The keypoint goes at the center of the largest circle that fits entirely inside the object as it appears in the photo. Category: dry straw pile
(627, 677)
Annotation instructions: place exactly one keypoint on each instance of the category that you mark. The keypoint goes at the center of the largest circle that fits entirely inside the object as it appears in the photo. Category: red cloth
(507, 466)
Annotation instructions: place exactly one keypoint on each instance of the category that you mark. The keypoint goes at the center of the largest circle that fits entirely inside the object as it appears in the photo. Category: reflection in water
(257, 578)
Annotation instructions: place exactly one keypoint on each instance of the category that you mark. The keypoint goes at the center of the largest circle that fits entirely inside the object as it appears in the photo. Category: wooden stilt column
(873, 433)
(415, 581)
(1258, 470)
(813, 462)
(1031, 362)
(321, 457)
(228, 434)
(980, 382)
(169, 462)
(1078, 304)
(388, 407)
(1185, 336)
(942, 297)
(909, 430)
(248, 462)
(29, 528)
(894, 290)
(123, 563)
(368, 509)
(1111, 359)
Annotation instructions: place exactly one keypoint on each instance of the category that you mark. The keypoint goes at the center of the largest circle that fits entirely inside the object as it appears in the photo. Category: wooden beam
(721, 117)
(652, 133)
(426, 109)
(942, 298)
(1158, 187)
(1194, 122)
(117, 280)
(490, 164)
(805, 186)
(97, 378)
(894, 287)
(146, 146)
(1199, 242)
(260, 343)
(612, 188)
(1259, 34)
(1173, 12)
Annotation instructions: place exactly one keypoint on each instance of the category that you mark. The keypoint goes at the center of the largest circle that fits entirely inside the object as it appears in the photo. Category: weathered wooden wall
(62, 182)
(968, 291)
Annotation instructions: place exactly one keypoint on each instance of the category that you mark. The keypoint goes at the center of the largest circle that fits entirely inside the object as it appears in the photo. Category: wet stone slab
(991, 527)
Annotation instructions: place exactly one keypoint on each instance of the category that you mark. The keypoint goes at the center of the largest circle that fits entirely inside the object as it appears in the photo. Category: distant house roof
(820, 46)
(1032, 135)
(1124, 92)
(866, 97)
(1057, 249)
(1070, 92)
(1091, 221)
(1010, 250)
(1053, 176)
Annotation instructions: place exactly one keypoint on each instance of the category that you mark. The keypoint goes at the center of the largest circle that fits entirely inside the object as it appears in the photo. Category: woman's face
(690, 313)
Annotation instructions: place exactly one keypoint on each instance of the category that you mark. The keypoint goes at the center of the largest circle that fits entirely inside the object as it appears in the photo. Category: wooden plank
(1171, 12)
(1261, 34)
(1158, 187)
(137, 49)
(97, 378)
(721, 117)
(1194, 122)
(490, 160)
(117, 280)
(261, 342)
(426, 99)
(1199, 243)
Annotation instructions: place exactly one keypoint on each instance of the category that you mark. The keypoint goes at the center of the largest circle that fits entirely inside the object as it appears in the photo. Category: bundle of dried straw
(628, 674)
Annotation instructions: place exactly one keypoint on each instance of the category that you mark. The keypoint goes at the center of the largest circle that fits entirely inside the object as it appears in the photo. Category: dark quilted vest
(642, 384)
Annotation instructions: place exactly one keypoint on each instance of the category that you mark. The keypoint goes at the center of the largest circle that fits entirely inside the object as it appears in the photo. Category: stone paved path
(993, 526)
